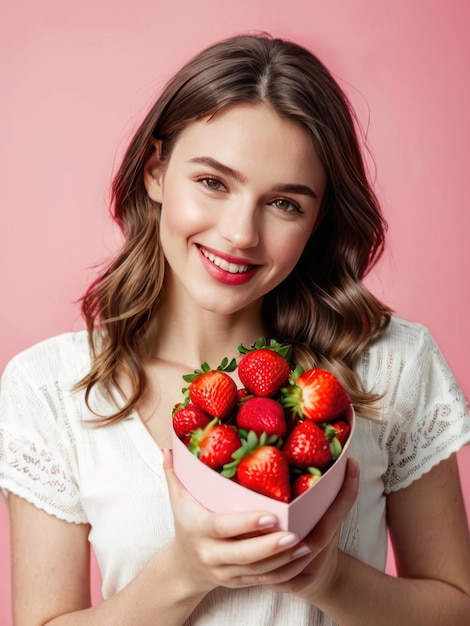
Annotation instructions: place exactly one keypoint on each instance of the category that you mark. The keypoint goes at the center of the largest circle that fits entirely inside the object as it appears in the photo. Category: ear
(153, 172)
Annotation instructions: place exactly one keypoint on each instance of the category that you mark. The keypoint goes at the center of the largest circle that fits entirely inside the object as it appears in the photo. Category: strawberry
(261, 467)
(188, 418)
(242, 393)
(214, 391)
(307, 446)
(315, 394)
(341, 430)
(215, 444)
(262, 415)
(303, 482)
(265, 471)
(264, 369)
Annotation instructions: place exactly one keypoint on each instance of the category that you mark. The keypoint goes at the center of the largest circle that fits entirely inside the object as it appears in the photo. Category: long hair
(322, 307)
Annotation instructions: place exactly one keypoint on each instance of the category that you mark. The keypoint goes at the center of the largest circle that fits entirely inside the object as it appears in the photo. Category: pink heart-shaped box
(223, 495)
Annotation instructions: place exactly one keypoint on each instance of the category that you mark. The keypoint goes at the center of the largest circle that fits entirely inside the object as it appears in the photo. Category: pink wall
(76, 76)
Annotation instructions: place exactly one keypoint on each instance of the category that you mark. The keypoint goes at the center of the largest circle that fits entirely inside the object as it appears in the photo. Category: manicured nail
(267, 521)
(300, 551)
(288, 540)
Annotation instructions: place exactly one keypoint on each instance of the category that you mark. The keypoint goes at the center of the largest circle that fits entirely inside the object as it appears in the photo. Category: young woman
(246, 211)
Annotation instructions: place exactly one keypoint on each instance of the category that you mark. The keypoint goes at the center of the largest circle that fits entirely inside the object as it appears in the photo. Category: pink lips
(221, 272)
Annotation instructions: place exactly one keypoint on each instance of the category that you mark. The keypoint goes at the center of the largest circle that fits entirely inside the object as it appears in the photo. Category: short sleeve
(36, 442)
(430, 419)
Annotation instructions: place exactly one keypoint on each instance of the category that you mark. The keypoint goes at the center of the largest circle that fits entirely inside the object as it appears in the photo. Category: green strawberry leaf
(239, 454)
(330, 431)
(243, 433)
(252, 440)
(335, 448)
(231, 465)
(228, 472)
(284, 349)
(314, 471)
(205, 367)
(296, 373)
(274, 440)
(291, 399)
(260, 343)
(225, 366)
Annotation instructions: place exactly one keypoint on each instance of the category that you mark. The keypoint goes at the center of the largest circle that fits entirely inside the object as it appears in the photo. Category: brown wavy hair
(322, 307)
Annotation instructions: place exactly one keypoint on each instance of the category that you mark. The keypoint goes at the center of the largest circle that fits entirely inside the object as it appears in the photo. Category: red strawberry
(242, 393)
(305, 481)
(307, 446)
(341, 430)
(265, 471)
(215, 445)
(262, 415)
(315, 395)
(264, 369)
(187, 419)
(213, 390)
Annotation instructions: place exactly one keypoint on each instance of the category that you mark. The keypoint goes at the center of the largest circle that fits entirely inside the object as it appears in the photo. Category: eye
(286, 205)
(213, 184)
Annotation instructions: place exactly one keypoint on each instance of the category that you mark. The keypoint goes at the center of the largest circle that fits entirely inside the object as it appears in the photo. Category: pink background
(76, 77)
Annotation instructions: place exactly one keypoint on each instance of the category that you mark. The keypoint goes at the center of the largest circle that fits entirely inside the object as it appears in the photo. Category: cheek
(288, 251)
(181, 216)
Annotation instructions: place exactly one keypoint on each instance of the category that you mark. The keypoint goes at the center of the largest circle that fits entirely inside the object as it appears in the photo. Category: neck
(190, 338)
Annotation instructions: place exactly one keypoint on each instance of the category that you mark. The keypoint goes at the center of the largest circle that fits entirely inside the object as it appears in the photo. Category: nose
(239, 225)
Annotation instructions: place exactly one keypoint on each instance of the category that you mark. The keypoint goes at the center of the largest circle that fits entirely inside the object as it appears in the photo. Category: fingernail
(288, 540)
(267, 521)
(300, 551)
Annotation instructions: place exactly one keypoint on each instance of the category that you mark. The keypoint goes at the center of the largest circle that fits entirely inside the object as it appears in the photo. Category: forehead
(250, 138)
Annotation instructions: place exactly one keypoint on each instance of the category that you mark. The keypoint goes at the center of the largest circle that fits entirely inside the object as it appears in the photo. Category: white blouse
(112, 478)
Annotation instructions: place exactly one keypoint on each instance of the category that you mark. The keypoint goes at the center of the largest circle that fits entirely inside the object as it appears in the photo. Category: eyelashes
(287, 205)
(214, 185)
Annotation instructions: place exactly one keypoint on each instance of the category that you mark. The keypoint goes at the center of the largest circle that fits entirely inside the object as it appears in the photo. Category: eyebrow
(231, 173)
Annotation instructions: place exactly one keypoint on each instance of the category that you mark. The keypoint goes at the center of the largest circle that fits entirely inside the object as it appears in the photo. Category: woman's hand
(224, 549)
(245, 549)
(313, 576)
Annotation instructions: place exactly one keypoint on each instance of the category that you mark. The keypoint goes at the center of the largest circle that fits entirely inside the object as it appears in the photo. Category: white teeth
(232, 268)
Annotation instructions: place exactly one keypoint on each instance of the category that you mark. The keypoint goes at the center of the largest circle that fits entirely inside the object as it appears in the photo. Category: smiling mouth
(232, 268)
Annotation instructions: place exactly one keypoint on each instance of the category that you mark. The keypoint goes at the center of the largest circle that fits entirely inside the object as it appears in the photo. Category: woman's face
(240, 196)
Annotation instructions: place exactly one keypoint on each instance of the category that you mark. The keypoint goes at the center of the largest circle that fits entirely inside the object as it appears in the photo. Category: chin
(223, 305)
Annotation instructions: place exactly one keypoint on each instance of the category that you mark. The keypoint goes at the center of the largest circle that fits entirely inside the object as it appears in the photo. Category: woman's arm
(50, 578)
(51, 564)
(430, 537)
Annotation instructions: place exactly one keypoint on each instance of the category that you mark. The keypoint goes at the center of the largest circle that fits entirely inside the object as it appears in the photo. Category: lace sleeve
(429, 414)
(36, 444)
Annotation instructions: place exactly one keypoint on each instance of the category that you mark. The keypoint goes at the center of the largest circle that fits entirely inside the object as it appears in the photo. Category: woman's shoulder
(405, 350)
(403, 334)
(64, 356)
(39, 418)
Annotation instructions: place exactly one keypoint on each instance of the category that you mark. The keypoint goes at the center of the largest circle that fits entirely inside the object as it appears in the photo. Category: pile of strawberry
(277, 434)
